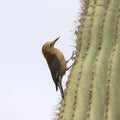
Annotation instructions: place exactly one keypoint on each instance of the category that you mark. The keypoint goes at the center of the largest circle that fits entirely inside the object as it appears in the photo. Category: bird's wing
(54, 66)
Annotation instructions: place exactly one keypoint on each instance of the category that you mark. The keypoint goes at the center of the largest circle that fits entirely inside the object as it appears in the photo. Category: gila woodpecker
(56, 63)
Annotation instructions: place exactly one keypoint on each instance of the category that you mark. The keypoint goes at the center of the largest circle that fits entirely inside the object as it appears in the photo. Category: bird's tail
(56, 88)
(61, 89)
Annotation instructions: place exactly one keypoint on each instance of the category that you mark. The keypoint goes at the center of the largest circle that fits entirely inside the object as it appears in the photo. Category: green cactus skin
(93, 87)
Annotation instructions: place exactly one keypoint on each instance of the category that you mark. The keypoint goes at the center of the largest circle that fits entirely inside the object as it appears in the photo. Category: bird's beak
(54, 41)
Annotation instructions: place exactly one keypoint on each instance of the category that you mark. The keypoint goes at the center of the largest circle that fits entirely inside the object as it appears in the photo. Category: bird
(56, 62)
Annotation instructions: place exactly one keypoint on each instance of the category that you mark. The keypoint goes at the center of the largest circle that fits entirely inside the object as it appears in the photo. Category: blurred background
(27, 91)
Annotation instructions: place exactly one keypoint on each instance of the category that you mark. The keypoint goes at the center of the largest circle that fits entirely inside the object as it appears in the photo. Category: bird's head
(48, 46)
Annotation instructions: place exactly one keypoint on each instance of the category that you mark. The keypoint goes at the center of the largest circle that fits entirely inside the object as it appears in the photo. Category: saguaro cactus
(93, 87)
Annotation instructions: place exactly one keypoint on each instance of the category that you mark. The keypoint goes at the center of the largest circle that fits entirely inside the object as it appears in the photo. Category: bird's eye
(50, 44)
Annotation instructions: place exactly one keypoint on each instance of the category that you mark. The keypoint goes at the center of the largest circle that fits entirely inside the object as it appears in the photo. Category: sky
(27, 91)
